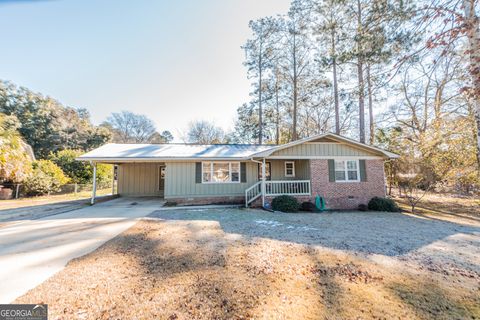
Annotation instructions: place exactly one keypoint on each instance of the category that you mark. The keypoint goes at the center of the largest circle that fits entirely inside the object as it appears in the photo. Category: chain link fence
(18, 191)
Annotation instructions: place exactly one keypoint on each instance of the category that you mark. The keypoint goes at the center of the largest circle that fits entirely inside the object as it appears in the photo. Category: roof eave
(158, 159)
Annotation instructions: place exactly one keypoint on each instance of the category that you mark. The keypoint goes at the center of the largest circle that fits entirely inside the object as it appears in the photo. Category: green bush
(308, 206)
(383, 204)
(362, 207)
(45, 178)
(285, 203)
(80, 171)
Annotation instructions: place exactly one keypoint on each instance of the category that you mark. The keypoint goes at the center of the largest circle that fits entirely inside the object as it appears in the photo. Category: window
(268, 175)
(220, 172)
(289, 169)
(347, 170)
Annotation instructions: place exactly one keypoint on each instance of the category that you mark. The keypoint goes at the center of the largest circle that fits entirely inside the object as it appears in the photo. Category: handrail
(290, 187)
(278, 188)
(253, 193)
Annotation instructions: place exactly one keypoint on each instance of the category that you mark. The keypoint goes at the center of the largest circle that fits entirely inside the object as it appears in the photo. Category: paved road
(33, 250)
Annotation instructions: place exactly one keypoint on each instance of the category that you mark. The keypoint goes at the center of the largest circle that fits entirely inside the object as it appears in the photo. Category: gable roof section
(330, 136)
(155, 152)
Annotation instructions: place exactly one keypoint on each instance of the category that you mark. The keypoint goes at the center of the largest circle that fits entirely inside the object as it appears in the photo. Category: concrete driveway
(33, 250)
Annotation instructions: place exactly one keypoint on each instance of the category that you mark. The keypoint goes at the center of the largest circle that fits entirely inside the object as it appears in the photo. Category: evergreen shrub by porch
(362, 207)
(285, 204)
(308, 206)
(383, 204)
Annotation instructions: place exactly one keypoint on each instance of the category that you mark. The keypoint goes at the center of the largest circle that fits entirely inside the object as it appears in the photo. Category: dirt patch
(195, 270)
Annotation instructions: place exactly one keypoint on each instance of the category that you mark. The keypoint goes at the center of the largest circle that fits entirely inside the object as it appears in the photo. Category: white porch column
(94, 189)
(263, 182)
(113, 179)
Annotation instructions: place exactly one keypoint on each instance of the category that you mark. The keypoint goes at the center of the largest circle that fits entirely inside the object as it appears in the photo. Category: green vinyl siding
(180, 182)
(323, 150)
(138, 179)
(302, 170)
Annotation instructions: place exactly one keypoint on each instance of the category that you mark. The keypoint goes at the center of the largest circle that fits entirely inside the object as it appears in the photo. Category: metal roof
(152, 152)
(114, 152)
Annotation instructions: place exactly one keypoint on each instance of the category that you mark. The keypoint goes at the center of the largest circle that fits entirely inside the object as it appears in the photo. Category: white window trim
(293, 169)
(346, 171)
(229, 172)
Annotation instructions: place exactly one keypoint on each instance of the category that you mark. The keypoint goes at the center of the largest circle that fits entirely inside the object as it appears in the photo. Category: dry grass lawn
(163, 269)
(448, 208)
(51, 199)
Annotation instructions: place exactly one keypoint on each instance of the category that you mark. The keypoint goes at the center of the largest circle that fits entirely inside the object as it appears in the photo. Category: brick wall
(347, 195)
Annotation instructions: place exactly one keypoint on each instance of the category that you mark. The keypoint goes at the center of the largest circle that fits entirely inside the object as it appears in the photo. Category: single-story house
(344, 172)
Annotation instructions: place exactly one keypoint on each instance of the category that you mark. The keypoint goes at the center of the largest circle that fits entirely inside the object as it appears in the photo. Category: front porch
(278, 188)
(282, 177)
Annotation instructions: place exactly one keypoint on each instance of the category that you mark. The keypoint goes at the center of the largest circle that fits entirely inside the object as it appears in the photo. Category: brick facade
(347, 195)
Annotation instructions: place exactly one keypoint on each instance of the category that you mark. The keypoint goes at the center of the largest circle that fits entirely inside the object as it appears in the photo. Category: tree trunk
(295, 94)
(335, 85)
(260, 116)
(361, 84)
(277, 111)
(370, 106)
(473, 34)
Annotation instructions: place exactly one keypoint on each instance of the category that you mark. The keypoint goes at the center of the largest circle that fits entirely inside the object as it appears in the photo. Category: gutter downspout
(389, 160)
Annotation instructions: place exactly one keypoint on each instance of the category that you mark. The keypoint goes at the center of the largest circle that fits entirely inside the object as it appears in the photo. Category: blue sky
(174, 61)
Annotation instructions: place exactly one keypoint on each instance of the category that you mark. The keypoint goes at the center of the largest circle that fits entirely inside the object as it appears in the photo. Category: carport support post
(113, 179)
(94, 189)
(263, 182)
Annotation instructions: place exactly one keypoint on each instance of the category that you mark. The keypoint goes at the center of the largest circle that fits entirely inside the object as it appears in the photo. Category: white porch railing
(278, 188)
(293, 187)
(253, 193)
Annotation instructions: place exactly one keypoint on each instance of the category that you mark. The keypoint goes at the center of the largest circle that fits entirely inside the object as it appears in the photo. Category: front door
(161, 181)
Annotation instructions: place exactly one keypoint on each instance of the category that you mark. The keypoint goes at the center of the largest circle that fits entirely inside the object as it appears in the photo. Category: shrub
(80, 171)
(383, 204)
(308, 206)
(45, 178)
(285, 203)
(362, 207)
(15, 154)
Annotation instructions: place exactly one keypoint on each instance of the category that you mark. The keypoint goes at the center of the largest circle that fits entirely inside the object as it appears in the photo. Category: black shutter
(198, 172)
(331, 170)
(363, 171)
(243, 172)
